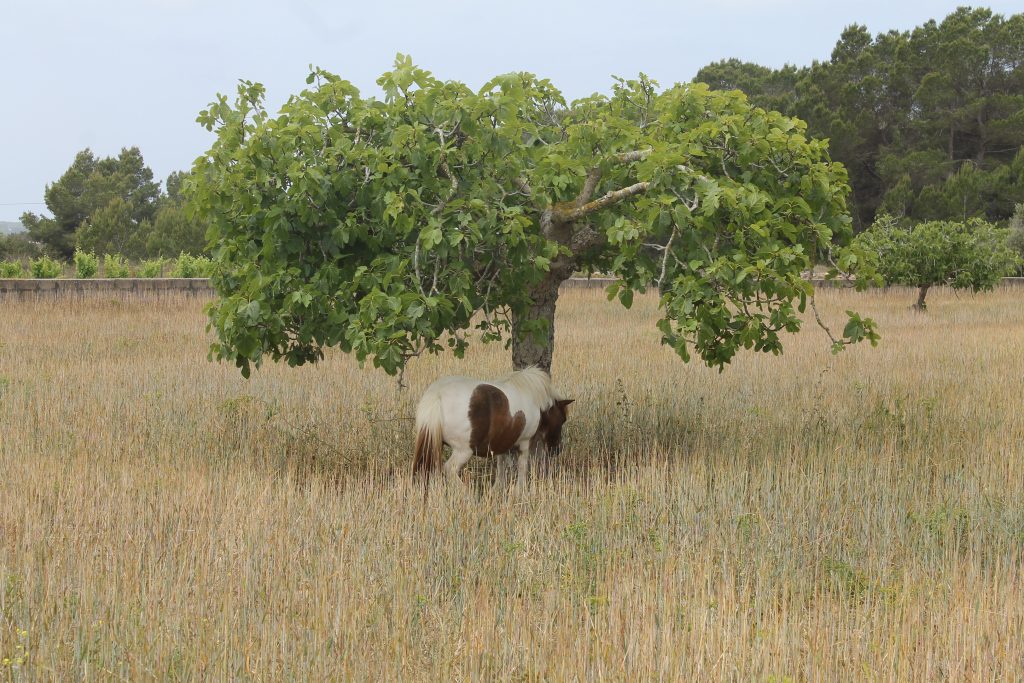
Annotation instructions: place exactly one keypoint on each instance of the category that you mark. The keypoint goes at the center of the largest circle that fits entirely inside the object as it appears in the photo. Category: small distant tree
(968, 255)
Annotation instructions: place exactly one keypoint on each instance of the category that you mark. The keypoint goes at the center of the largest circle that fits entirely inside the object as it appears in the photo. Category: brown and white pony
(474, 417)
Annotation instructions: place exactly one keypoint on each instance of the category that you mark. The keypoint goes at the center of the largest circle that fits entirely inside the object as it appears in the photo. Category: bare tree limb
(523, 186)
(664, 259)
(416, 268)
(635, 155)
(548, 224)
(593, 178)
(610, 198)
(448, 174)
(821, 323)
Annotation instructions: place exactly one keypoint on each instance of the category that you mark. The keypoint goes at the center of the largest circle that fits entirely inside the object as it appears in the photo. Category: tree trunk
(980, 157)
(528, 349)
(566, 225)
(921, 294)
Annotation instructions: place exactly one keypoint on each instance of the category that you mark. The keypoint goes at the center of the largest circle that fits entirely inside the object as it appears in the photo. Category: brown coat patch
(493, 429)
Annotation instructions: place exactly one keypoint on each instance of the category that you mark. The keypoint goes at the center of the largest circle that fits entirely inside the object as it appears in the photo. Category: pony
(521, 412)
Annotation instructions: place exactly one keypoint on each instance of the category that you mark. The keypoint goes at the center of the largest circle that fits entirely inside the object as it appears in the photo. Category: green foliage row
(151, 268)
(87, 265)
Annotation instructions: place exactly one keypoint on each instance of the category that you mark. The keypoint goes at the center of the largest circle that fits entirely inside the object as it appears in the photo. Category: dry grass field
(802, 517)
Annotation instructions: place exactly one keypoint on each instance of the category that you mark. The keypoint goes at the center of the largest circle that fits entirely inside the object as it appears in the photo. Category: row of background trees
(110, 205)
(929, 123)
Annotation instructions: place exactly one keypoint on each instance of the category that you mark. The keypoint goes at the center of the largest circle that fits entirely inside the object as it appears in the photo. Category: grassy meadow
(800, 517)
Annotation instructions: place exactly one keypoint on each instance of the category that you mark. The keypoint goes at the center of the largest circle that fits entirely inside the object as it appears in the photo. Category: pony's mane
(536, 384)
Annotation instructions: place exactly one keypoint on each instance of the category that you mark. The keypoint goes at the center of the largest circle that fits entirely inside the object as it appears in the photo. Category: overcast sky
(108, 74)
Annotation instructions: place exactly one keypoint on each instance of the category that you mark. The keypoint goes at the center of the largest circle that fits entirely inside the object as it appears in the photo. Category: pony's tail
(426, 457)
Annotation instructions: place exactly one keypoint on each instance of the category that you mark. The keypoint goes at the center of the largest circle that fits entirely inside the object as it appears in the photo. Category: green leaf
(626, 297)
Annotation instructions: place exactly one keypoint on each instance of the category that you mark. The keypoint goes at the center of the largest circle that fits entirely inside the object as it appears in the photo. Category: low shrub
(192, 266)
(11, 269)
(86, 264)
(151, 268)
(115, 266)
(45, 268)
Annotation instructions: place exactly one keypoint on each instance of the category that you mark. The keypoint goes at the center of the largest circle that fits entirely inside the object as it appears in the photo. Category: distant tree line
(929, 122)
(110, 205)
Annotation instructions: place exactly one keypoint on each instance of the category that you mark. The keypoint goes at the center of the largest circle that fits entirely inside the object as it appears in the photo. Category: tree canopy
(393, 227)
(91, 184)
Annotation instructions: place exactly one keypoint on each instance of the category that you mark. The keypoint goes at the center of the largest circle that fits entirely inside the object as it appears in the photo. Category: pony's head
(549, 432)
(536, 384)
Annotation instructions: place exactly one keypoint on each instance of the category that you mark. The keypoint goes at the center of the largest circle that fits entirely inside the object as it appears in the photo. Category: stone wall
(101, 287)
(15, 290)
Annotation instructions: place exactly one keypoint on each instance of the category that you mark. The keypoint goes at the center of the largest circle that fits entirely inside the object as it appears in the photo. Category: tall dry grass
(803, 517)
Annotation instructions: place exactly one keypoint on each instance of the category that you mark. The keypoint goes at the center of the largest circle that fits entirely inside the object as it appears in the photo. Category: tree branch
(593, 178)
(635, 155)
(447, 172)
(822, 325)
(664, 259)
(614, 197)
(523, 186)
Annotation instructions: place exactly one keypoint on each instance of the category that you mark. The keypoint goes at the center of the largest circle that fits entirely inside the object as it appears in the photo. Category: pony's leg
(522, 465)
(501, 475)
(460, 456)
